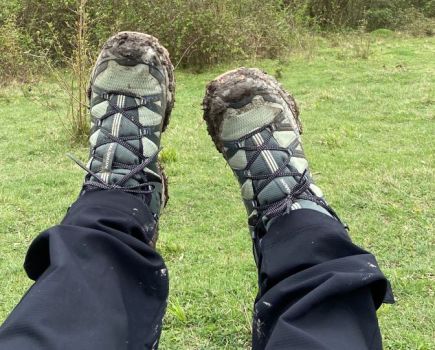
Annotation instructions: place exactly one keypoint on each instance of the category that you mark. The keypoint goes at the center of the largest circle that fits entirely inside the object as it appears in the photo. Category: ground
(369, 136)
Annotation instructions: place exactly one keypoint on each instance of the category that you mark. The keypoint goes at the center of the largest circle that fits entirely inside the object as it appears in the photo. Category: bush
(15, 65)
(374, 14)
(429, 9)
(417, 24)
(196, 32)
(382, 18)
(334, 14)
(50, 25)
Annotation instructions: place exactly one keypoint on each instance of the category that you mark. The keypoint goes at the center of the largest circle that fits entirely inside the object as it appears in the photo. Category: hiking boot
(255, 124)
(131, 97)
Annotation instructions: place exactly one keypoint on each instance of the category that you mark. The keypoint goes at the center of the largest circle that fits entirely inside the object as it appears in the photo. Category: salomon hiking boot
(255, 124)
(131, 97)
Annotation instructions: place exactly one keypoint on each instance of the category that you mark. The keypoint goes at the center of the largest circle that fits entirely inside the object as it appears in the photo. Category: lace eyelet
(271, 127)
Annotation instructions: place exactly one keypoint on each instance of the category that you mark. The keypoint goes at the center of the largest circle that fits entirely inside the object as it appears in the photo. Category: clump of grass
(382, 33)
(168, 155)
(80, 67)
(354, 45)
(73, 81)
(362, 46)
(177, 311)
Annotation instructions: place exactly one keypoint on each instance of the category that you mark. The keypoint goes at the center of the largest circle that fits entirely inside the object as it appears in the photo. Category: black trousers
(100, 287)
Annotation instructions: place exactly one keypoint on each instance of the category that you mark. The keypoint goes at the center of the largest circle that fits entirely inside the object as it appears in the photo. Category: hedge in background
(371, 14)
(196, 32)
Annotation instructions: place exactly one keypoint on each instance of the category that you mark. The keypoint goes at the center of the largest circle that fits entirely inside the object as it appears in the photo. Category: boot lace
(299, 191)
(95, 181)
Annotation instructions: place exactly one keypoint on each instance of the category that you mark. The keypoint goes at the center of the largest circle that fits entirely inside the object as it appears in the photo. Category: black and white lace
(300, 191)
(94, 181)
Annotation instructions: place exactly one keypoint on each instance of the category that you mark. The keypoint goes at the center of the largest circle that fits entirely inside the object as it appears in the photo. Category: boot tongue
(133, 80)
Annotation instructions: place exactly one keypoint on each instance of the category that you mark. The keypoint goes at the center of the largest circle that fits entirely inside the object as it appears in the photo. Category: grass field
(369, 135)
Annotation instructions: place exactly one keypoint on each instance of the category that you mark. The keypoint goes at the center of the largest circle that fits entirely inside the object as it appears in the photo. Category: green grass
(369, 135)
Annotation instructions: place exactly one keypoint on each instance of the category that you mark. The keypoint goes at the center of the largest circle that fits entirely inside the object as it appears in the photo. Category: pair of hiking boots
(253, 122)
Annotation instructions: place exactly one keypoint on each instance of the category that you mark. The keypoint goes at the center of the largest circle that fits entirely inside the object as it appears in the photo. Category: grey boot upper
(131, 97)
(255, 124)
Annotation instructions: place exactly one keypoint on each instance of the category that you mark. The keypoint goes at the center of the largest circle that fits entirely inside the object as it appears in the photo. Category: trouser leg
(317, 289)
(98, 285)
